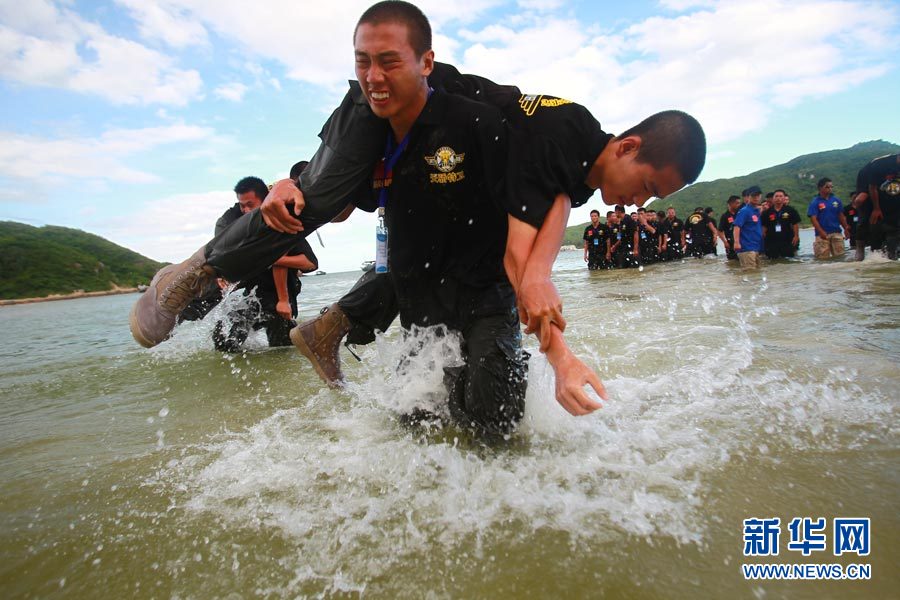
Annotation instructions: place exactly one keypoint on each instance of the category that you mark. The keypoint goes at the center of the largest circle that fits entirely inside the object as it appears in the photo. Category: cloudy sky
(133, 119)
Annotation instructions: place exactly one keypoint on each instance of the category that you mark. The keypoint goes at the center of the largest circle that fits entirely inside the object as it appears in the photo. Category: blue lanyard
(392, 154)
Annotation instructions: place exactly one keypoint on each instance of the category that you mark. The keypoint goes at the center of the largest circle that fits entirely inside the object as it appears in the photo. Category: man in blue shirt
(748, 230)
(826, 211)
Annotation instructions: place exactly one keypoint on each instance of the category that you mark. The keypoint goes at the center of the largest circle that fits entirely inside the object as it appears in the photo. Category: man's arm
(844, 224)
(819, 231)
(283, 306)
(299, 262)
(876, 204)
(528, 261)
(737, 237)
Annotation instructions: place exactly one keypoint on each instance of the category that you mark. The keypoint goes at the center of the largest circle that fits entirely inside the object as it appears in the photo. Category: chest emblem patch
(445, 159)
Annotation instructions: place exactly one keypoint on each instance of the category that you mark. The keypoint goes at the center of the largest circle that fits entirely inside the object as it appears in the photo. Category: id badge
(618, 236)
(856, 218)
(381, 244)
(596, 242)
(643, 235)
(778, 228)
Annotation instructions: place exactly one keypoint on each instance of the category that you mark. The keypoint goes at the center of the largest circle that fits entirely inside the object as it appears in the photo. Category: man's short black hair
(779, 190)
(698, 209)
(609, 212)
(708, 209)
(620, 208)
(252, 184)
(770, 195)
(397, 11)
(672, 138)
(595, 211)
(298, 168)
(641, 209)
(733, 199)
(823, 181)
(660, 214)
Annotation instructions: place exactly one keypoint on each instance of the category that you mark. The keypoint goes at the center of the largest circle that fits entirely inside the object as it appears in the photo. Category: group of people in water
(752, 225)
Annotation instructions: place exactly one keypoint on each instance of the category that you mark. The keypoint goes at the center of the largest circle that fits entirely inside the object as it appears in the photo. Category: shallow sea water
(181, 472)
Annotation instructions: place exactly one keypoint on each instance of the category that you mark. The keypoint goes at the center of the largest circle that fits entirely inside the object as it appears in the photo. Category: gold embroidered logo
(447, 177)
(445, 159)
(530, 102)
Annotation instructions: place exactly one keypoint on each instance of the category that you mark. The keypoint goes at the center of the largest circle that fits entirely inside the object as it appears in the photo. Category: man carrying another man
(458, 279)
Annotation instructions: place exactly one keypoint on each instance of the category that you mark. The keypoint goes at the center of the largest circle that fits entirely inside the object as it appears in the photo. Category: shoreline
(72, 296)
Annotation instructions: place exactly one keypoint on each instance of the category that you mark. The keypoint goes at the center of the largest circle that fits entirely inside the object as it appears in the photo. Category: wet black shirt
(673, 229)
(884, 174)
(554, 145)
(698, 227)
(779, 226)
(445, 211)
(264, 282)
(726, 225)
(596, 238)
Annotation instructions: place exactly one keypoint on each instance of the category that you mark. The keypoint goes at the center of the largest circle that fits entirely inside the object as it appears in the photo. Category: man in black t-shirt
(726, 226)
(851, 213)
(276, 289)
(671, 240)
(646, 240)
(623, 255)
(699, 233)
(780, 228)
(879, 185)
(595, 236)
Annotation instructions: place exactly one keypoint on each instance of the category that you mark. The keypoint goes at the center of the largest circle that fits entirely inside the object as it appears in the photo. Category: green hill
(798, 177)
(39, 261)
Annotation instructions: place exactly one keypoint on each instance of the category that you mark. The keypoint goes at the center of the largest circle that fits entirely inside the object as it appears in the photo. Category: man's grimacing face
(390, 74)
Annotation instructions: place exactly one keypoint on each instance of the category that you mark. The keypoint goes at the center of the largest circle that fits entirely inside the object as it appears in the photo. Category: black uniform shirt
(596, 237)
(779, 224)
(444, 211)
(884, 174)
(264, 281)
(673, 229)
(555, 143)
(726, 225)
(698, 228)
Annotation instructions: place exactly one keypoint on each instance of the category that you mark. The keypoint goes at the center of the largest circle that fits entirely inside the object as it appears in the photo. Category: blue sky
(133, 119)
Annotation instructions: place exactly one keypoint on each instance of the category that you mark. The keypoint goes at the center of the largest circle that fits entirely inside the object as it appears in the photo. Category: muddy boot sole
(301, 345)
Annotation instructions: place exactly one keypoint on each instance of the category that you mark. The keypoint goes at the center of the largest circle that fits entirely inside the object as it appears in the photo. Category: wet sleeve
(585, 236)
(795, 217)
(536, 174)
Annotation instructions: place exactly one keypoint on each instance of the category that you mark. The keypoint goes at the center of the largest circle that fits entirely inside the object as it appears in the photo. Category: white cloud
(231, 91)
(166, 22)
(730, 65)
(46, 46)
(170, 228)
(104, 158)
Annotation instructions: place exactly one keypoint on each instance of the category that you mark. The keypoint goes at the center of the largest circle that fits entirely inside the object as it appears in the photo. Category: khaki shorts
(749, 260)
(830, 247)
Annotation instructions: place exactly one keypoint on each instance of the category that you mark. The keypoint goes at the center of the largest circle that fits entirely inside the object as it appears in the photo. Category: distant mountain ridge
(797, 176)
(40, 261)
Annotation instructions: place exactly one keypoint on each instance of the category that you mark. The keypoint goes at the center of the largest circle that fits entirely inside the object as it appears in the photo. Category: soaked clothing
(726, 226)
(778, 226)
(262, 313)
(596, 245)
(701, 238)
(884, 175)
(648, 244)
(672, 230)
(852, 214)
(446, 223)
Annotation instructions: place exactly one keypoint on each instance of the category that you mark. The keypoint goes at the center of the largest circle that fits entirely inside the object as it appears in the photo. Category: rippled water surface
(183, 472)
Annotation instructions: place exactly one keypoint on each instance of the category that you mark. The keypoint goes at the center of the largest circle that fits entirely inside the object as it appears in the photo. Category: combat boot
(173, 287)
(319, 340)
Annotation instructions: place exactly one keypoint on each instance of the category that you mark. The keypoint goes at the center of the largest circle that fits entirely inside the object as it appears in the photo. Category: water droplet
(163, 412)
(471, 221)
(427, 265)
(524, 208)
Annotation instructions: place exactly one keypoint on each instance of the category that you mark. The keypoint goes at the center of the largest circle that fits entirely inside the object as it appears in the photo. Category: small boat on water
(314, 274)
(367, 265)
